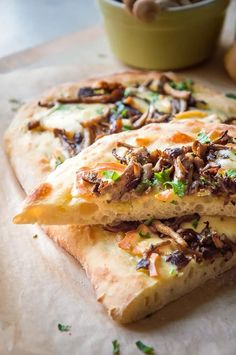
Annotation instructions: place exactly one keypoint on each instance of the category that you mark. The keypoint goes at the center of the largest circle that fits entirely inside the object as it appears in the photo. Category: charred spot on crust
(41, 192)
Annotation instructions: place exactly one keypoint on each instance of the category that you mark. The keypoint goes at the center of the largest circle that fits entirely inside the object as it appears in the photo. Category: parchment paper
(41, 285)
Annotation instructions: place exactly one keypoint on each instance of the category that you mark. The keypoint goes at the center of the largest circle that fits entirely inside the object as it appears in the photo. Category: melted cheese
(229, 162)
(70, 116)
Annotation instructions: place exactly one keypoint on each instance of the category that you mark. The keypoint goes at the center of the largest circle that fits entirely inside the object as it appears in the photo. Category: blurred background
(28, 23)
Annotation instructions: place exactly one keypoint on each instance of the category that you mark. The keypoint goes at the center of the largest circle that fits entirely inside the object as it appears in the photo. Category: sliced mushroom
(177, 94)
(162, 228)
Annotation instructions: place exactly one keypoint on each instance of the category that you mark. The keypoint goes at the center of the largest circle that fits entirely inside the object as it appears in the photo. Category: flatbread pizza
(135, 267)
(161, 170)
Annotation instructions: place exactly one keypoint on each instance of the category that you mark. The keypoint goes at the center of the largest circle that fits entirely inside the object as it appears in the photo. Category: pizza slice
(161, 170)
(111, 254)
(138, 267)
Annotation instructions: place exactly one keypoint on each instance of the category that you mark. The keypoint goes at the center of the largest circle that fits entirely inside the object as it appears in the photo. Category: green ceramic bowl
(179, 37)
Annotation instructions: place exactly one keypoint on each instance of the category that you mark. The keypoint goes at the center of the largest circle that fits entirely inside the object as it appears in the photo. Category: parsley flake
(178, 187)
(116, 347)
(203, 138)
(16, 104)
(63, 328)
(231, 173)
(58, 161)
(111, 175)
(182, 85)
(231, 95)
(144, 348)
(162, 177)
(144, 234)
(126, 127)
(144, 185)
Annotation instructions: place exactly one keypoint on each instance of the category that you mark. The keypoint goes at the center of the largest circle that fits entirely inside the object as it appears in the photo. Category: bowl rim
(171, 9)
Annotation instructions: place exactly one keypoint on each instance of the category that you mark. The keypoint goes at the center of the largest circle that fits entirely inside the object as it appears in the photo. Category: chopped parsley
(231, 173)
(111, 175)
(182, 85)
(231, 95)
(120, 110)
(162, 177)
(126, 127)
(203, 138)
(116, 347)
(202, 179)
(128, 92)
(16, 104)
(144, 185)
(144, 348)
(63, 328)
(144, 234)
(35, 236)
(178, 187)
(58, 161)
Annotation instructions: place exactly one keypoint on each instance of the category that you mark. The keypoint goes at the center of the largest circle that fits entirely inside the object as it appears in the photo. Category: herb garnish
(162, 177)
(116, 347)
(111, 175)
(120, 109)
(126, 127)
(144, 234)
(127, 92)
(144, 185)
(182, 85)
(231, 173)
(203, 138)
(63, 328)
(178, 187)
(231, 95)
(35, 236)
(16, 104)
(144, 348)
(58, 161)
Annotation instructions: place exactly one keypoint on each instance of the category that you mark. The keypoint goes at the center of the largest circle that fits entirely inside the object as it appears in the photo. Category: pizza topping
(122, 108)
(178, 259)
(202, 168)
(168, 246)
(33, 125)
(146, 349)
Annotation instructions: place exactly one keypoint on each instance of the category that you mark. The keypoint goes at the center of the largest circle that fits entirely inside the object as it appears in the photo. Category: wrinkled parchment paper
(41, 285)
